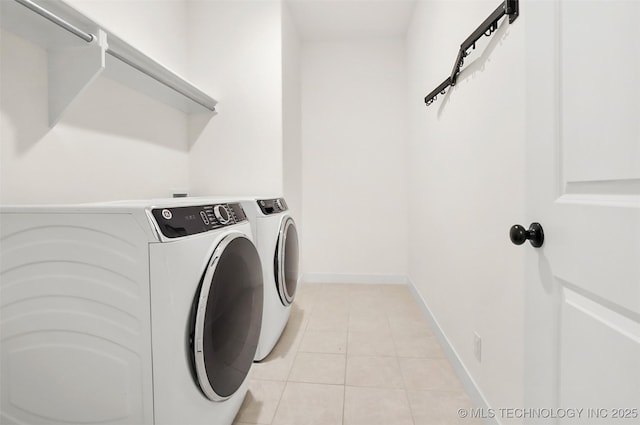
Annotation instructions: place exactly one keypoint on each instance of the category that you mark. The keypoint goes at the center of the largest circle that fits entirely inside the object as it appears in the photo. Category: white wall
(291, 117)
(112, 143)
(466, 159)
(144, 24)
(354, 127)
(235, 53)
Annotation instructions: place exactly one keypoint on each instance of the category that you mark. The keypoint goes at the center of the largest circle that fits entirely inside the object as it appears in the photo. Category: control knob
(222, 214)
(278, 204)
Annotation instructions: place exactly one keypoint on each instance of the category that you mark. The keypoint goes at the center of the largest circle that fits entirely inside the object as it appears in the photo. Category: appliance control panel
(272, 206)
(176, 222)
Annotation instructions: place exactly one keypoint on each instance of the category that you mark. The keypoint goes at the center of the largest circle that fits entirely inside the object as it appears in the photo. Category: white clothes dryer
(130, 312)
(276, 237)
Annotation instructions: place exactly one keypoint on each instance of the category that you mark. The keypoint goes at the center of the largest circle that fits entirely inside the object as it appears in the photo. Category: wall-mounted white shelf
(79, 50)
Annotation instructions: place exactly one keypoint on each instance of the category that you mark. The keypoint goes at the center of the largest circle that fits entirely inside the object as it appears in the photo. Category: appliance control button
(167, 214)
(278, 204)
(222, 214)
(204, 217)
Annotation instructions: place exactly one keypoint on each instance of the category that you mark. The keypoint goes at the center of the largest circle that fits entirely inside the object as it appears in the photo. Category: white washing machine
(127, 313)
(276, 237)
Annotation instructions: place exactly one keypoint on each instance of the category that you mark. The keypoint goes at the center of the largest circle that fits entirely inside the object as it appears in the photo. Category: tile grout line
(278, 403)
(404, 383)
(346, 359)
(286, 381)
(348, 348)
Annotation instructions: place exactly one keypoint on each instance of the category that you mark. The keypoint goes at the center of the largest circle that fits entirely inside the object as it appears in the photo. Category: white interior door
(582, 307)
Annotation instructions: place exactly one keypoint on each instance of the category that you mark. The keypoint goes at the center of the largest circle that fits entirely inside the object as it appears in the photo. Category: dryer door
(228, 317)
(285, 264)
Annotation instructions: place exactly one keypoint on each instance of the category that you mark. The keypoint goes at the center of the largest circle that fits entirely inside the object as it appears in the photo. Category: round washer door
(286, 261)
(228, 317)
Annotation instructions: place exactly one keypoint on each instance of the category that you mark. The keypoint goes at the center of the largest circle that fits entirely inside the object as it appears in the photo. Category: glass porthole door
(286, 261)
(228, 317)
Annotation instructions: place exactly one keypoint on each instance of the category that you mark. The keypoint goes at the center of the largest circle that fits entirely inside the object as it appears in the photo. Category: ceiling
(318, 20)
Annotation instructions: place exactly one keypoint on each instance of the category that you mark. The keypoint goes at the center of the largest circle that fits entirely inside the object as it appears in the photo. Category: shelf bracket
(71, 71)
(77, 55)
(509, 8)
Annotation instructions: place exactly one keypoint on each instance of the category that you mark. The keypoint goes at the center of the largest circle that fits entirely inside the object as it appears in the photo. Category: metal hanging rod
(510, 8)
(205, 102)
(56, 20)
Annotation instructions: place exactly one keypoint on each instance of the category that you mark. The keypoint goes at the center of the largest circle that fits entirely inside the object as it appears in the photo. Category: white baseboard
(468, 382)
(353, 278)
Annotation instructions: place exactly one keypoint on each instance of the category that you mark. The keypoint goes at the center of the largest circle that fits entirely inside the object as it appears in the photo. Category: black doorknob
(519, 234)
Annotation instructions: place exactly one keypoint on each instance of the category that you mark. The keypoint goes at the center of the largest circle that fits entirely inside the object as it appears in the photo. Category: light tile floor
(355, 355)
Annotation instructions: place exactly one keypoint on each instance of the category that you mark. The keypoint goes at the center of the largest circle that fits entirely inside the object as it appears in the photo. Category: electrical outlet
(477, 346)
